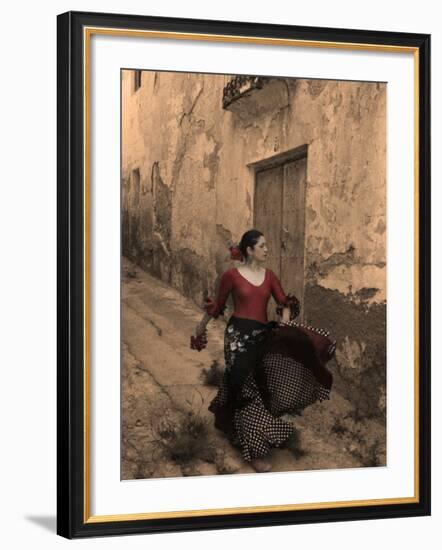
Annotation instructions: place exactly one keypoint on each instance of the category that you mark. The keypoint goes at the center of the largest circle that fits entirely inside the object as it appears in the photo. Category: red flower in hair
(235, 252)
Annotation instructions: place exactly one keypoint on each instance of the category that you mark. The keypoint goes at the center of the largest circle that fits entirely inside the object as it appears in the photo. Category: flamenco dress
(270, 368)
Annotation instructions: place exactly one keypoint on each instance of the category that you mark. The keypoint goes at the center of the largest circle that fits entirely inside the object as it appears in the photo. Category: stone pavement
(162, 383)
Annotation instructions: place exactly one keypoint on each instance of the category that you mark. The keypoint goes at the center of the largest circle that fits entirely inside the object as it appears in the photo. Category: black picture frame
(73, 518)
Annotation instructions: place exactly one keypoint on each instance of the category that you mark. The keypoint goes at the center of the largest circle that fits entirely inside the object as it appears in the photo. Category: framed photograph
(243, 274)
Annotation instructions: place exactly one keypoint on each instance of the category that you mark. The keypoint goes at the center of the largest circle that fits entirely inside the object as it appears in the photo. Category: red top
(250, 300)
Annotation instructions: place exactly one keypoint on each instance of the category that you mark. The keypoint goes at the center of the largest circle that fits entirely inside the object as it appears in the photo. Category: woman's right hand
(199, 341)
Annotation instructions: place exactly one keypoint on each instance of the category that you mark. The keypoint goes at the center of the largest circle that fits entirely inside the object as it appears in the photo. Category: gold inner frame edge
(87, 33)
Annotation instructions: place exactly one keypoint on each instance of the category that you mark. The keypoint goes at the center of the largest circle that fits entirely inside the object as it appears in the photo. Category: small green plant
(338, 428)
(369, 457)
(184, 436)
(372, 458)
(356, 415)
(213, 375)
(185, 440)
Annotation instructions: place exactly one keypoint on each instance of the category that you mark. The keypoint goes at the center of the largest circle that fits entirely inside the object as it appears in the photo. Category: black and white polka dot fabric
(291, 385)
(255, 429)
(241, 409)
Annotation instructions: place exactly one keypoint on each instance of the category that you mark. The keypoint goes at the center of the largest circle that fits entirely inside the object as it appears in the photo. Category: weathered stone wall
(195, 195)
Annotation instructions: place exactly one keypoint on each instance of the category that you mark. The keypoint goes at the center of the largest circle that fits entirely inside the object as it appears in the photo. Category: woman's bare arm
(214, 308)
(201, 326)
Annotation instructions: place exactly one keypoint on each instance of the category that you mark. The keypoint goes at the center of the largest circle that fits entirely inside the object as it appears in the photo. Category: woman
(270, 368)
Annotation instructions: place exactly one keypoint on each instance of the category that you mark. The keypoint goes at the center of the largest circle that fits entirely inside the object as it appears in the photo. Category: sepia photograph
(237, 203)
(253, 274)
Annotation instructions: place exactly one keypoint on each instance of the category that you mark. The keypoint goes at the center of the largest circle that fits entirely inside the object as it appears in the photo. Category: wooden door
(279, 212)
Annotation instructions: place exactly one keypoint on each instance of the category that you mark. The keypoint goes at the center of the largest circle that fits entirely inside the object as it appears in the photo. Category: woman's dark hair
(250, 238)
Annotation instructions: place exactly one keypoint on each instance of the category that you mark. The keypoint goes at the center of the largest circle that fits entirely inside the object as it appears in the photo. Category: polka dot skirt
(290, 386)
(255, 429)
